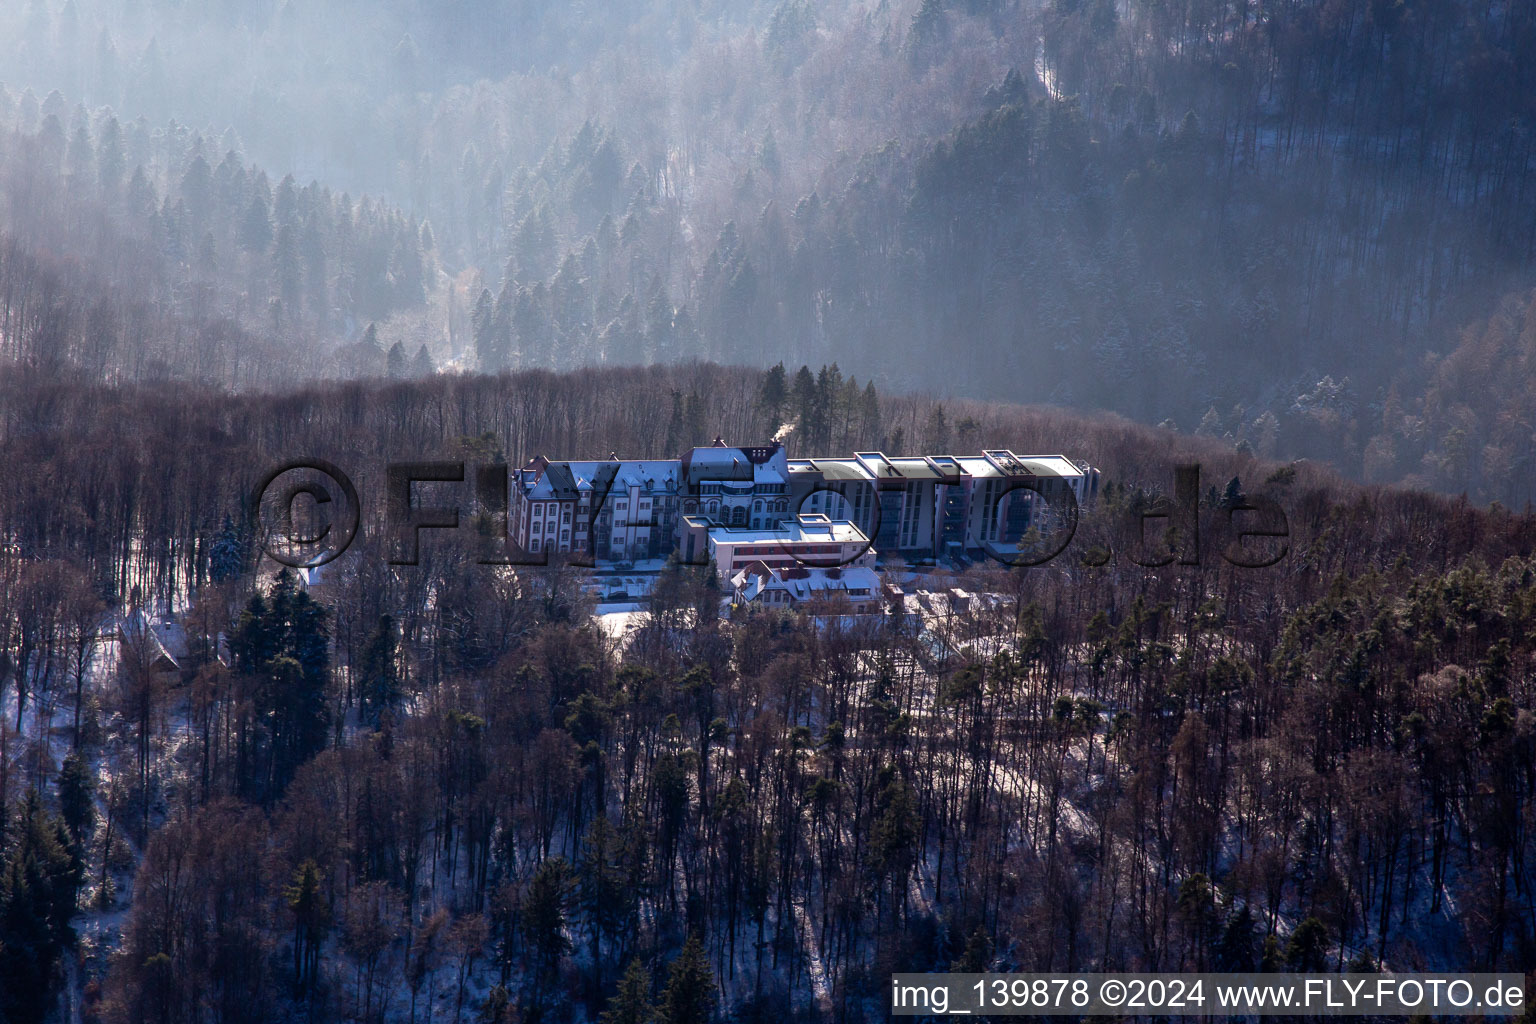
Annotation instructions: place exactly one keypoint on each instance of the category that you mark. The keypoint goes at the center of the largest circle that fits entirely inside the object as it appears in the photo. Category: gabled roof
(803, 584)
(565, 481)
(720, 462)
(135, 630)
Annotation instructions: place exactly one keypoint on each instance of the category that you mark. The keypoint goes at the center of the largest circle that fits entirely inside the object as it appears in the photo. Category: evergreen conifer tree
(689, 997)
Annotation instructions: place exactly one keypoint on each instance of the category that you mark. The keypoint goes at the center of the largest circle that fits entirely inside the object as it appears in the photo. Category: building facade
(937, 507)
(920, 509)
(618, 511)
(737, 487)
(809, 540)
(851, 591)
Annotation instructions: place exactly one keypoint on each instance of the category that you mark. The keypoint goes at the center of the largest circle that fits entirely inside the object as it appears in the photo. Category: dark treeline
(141, 478)
(404, 793)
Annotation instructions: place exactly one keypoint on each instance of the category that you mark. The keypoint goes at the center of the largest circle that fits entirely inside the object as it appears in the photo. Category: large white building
(621, 510)
(742, 487)
(614, 510)
(929, 507)
(808, 540)
(920, 508)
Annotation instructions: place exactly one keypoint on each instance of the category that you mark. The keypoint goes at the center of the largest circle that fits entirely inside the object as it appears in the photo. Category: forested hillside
(1297, 235)
(444, 791)
(1251, 218)
(1461, 420)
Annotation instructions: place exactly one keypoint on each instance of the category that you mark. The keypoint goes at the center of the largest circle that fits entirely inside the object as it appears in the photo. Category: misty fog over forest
(1305, 227)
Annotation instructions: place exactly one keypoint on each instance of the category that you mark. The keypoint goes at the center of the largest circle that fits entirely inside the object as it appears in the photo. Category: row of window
(782, 597)
(758, 505)
(543, 508)
(737, 487)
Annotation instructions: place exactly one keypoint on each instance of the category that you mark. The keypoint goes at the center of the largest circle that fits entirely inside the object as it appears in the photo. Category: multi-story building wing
(838, 488)
(615, 510)
(938, 506)
(919, 508)
(544, 507)
(743, 487)
(621, 510)
(638, 512)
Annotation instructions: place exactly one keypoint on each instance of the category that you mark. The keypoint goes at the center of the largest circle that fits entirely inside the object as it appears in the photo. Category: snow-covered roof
(874, 466)
(759, 464)
(805, 527)
(805, 584)
(150, 637)
(766, 464)
(1000, 462)
(564, 481)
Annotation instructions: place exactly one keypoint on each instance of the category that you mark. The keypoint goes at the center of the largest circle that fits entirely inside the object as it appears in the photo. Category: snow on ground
(101, 929)
(618, 620)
